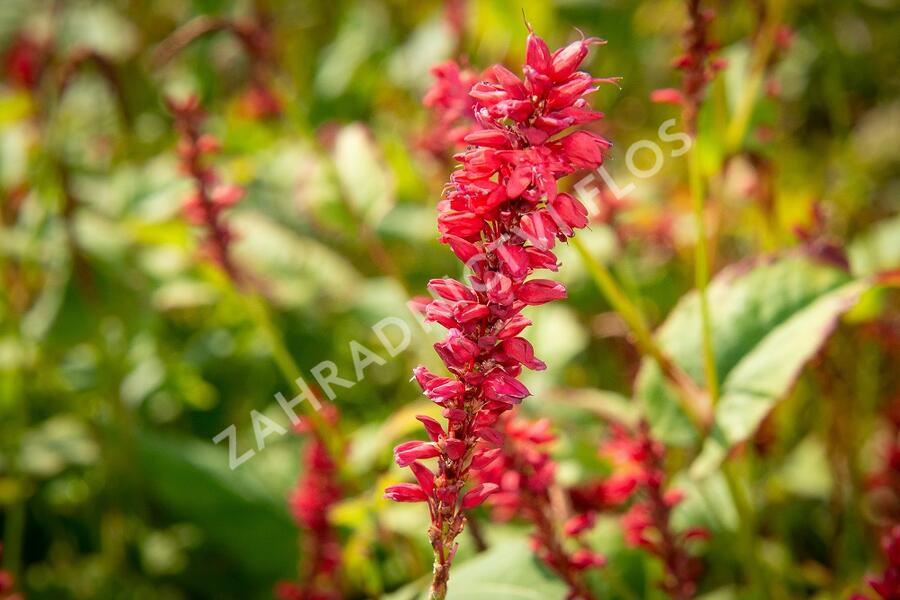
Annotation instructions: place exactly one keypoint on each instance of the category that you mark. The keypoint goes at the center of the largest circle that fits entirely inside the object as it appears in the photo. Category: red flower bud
(520, 349)
(434, 429)
(405, 492)
(541, 291)
(451, 289)
(579, 524)
(408, 452)
(478, 494)
(424, 476)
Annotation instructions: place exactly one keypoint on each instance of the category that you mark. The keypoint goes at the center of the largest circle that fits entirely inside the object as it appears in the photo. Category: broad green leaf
(768, 372)
(508, 570)
(234, 509)
(769, 318)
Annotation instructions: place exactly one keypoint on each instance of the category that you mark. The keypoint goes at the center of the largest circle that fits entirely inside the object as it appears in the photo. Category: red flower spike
(501, 215)
(452, 108)
(316, 492)
(524, 473)
(638, 473)
(204, 206)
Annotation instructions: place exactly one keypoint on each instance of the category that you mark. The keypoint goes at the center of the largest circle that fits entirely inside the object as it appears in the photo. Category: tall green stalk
(260, 314)
(701, 270)
(690, 398)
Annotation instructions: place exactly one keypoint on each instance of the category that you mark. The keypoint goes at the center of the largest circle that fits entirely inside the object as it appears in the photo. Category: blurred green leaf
(55, 444)
(508, 570)
(769, 317)
(236, 512)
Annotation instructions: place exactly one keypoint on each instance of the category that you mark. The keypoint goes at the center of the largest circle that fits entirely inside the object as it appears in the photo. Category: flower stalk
(501, 215)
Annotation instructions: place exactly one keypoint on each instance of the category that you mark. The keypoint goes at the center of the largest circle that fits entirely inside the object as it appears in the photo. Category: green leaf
(507, 570)
(769, 317)
(234, 509)
(58, 442)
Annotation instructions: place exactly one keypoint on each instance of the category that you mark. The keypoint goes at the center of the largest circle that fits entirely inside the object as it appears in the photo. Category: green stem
(756, 572)
(13, 538)
(701, 271)
(762, 50)
(14, 418)
(690, 397)
(291, 372)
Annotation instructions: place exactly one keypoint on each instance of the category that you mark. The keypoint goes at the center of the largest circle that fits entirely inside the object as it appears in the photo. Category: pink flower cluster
(524, 473)
(695, 63)
(210, 197)
(502, 216)
(452, 108)
(316, 492)
(639, 474)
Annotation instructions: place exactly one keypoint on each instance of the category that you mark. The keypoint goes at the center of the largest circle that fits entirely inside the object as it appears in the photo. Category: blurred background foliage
(122, 355)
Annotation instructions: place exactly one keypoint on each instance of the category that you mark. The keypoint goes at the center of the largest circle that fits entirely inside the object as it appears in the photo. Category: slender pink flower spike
(204, 207)
(697, 65)
(502, 214)
(524, 474)
(637, 461)
(317, 491)
(451, 108)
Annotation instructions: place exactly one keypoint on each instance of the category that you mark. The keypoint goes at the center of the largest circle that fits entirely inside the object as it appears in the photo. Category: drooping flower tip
(478, 494)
